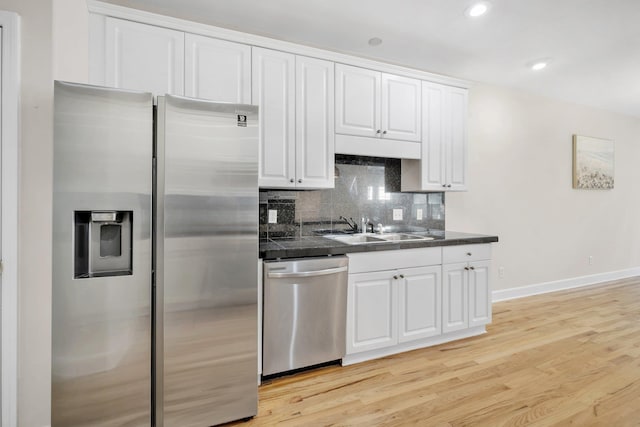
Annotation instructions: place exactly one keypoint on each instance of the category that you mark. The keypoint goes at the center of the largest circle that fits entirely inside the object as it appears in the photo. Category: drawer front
(392, 260)
(463, 253)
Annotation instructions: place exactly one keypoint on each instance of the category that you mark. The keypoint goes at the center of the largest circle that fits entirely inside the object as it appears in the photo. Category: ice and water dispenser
(102, 243)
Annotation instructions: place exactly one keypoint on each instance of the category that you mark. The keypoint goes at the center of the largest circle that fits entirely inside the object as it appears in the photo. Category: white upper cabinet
(374, 104)
(315, 148)
(143, 57)
(358, 101)
(273, 89)
(217, 70)
(400, 108)
(443, 166)
(456, 161)
(296, 99)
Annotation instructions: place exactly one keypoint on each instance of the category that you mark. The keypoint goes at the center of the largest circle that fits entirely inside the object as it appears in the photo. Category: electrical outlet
(501, 272)
(273, 216)
(419, 214)
(590, 259)
(397, 214)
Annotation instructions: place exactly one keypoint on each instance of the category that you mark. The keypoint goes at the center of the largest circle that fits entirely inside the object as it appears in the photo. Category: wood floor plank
(559, 359)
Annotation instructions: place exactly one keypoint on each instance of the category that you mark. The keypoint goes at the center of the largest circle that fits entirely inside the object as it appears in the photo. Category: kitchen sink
(356, 239)
(359, 239)
(400, 237)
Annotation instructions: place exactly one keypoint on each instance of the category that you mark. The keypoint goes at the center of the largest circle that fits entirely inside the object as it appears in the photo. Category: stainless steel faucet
(351, 223)
(365, 223)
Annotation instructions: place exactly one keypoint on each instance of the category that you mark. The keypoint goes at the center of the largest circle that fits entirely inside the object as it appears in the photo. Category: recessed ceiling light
(539, 66)
(478, 9)
(375, 41)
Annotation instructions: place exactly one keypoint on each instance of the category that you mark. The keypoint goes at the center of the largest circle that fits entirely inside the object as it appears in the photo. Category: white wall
(34, 287)
(520, 165)
(43, 33)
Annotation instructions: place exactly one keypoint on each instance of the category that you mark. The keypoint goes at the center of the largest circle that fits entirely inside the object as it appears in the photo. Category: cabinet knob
(444, 185)
(395, 277)
(378, 131)
(466, 268)
(473, 268)
(468, 253)
(384, 132)
(449, 185)
(291, 180)
(300, 181)
(402, 276)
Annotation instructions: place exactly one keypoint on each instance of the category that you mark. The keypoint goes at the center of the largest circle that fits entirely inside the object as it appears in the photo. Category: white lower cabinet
(419, 303)
(455, 306)
(466, 297)
(393, 305)
(411, 298)
(371, 311)
(479, 294)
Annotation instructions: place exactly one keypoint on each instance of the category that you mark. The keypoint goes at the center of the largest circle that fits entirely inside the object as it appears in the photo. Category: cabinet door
(419, 296)
(273, 90)
(433, 136)
(400, 112)
(218, 70)
(455, 308)
(456, 169)
(479, 294)
(315, 134)
(143, 57)
(371, 311)
(357, 101)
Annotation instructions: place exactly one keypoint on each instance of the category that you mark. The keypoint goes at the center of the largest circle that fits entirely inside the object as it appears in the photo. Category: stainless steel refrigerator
(155, 247)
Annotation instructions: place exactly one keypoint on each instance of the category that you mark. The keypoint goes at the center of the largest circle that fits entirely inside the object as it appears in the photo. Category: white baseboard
(559, 285)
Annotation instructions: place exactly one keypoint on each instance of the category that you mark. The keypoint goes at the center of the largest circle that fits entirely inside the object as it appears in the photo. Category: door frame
(9, 149)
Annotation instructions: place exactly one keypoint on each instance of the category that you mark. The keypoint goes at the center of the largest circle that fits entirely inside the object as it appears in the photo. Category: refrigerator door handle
(307, 273)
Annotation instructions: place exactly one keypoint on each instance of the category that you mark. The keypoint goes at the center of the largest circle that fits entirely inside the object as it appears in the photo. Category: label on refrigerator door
(242, 121)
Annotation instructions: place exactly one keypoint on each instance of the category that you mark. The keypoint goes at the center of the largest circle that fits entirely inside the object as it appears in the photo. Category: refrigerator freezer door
(206, 292)
(101, 349)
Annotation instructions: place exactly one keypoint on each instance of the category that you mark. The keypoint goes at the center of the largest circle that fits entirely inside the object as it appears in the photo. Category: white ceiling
(594, 45)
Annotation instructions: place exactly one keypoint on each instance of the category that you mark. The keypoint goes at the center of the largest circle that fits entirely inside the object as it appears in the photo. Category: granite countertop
(307, 246)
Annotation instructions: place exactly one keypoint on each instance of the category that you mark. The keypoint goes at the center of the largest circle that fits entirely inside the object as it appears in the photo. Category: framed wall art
(593, 163)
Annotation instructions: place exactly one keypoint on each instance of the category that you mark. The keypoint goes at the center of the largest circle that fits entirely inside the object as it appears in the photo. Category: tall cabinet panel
(273, 90)
(143, 57)
(217, 69)
(314, 123)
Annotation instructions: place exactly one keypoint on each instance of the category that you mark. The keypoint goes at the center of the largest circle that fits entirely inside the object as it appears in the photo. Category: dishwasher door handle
(307, 273)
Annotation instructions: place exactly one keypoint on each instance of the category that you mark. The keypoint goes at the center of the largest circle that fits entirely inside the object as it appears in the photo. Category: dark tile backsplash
(364, 187)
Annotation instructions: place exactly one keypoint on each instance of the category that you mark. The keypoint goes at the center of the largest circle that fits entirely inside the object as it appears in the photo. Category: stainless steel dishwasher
(305, 310)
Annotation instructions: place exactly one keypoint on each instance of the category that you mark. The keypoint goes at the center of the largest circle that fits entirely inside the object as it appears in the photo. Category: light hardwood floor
(564, 358)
